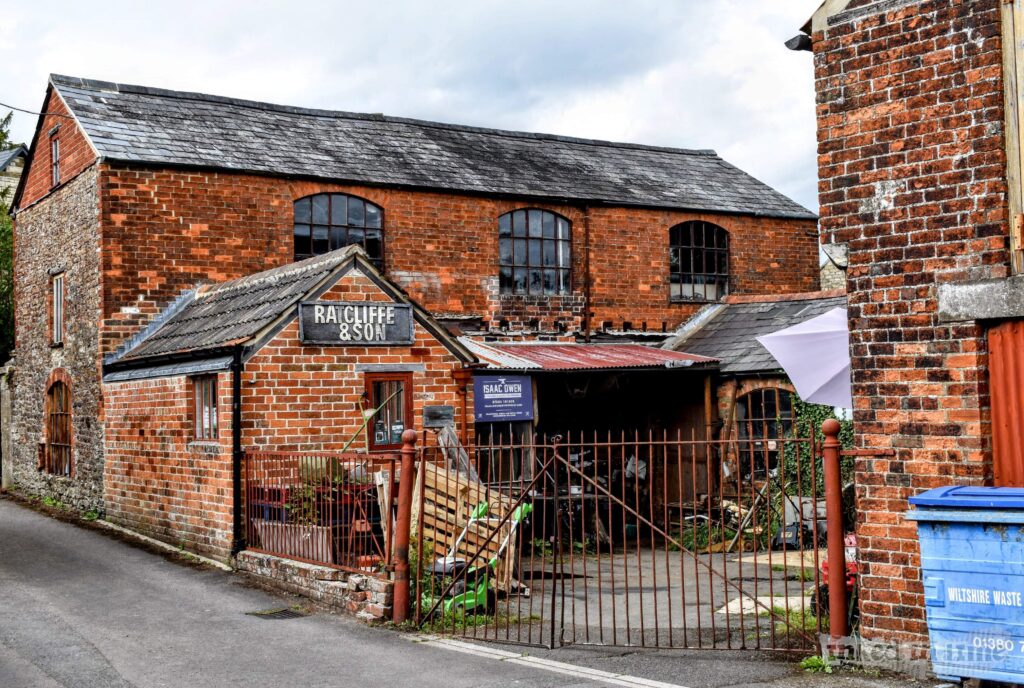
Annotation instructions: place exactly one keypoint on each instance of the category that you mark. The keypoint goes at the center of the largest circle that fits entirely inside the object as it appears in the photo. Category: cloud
(684, 73)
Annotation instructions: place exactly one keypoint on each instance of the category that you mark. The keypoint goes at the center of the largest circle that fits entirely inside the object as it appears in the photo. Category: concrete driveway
(82, 608)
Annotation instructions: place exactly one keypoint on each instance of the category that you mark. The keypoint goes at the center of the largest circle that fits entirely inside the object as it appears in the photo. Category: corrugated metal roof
(568, 356)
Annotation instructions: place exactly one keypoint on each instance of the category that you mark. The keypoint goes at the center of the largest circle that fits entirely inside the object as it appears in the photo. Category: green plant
(698, 538)
(789, 621)
(53, 503)
(815, 664)
(302, 505)
(90, 515)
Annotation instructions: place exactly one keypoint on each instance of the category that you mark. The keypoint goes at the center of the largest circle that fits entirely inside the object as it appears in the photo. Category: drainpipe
(237, 455)
(586, 274)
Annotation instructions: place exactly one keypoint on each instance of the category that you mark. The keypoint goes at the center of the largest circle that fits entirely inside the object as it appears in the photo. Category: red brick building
(228, 367)
(919, 163)
(134, 197)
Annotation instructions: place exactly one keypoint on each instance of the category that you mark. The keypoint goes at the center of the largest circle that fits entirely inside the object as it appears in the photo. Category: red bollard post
(400, 611)
(837, 611)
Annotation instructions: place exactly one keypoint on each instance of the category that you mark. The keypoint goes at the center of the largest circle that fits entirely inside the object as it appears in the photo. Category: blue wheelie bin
(972, 562)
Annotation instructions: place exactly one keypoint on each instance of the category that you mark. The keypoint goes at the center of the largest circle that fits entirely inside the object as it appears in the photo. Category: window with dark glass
(535, 253)
(764, 419)
(57, 454)
(204, 397)
(389, 399)
(325, 222)
(698, 262)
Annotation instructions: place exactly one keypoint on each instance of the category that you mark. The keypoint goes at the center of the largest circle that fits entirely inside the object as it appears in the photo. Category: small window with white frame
(54, 161)
(57, 293)
(204, 394)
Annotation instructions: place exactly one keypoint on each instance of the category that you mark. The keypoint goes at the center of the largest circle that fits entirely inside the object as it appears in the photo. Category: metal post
(837, 612)
(403, 524)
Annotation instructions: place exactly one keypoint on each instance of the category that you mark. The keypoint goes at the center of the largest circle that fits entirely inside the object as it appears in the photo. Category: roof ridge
(71, 81)
(735, 299)
(335, 257)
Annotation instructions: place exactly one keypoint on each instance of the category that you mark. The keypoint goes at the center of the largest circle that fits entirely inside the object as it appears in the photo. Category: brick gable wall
(76, 154)
(913, 179)
(307, 398)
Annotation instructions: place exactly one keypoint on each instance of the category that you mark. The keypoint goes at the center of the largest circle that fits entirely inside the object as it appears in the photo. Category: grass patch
(794, 620)
(816, 665)
(701, 537)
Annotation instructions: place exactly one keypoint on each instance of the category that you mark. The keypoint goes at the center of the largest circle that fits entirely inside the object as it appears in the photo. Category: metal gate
(633, 541)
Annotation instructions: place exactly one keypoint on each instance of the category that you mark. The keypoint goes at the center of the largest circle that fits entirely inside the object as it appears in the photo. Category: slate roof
(233, 312)
(8, 156)
(730, 329)
(157, 126)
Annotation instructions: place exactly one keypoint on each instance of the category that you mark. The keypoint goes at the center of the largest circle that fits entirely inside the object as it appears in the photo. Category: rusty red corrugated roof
(530, 356)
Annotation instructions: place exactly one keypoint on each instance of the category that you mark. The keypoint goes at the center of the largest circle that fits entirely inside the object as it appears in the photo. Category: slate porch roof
(156, 126)
(244, 311)
(728, 330)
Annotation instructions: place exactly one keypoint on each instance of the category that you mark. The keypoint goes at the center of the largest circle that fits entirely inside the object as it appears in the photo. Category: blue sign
(502, 398)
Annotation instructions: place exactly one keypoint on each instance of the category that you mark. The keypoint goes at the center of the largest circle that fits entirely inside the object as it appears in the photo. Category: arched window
(698, 262)
(325, 222)
(57, 455)
(764, 417)
(535, 253)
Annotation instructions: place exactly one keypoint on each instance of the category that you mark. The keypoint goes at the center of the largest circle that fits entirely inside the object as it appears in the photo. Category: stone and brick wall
(307, 398)
(913, 180)
(61, 234)
(159, 480)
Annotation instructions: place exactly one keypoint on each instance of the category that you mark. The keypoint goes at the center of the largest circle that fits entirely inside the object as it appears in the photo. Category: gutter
(237, 453)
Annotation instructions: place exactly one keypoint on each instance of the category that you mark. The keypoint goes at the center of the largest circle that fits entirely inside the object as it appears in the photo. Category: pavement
(80, 607)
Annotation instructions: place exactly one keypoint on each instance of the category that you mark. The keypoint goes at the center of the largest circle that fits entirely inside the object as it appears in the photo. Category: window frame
(59, 426)
(58, 302)
(205, 420)
(406, 378)
(331, 226)
(563, 272)
(760, 440)
(54, 160)
(720, 281)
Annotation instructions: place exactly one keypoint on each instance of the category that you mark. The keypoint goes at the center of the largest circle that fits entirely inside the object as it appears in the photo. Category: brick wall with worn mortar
(441, 247)
(913, 179)
(61, 234)
(160, 481)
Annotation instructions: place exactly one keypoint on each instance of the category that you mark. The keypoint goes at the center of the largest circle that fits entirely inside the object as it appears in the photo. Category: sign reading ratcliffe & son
(355, 323)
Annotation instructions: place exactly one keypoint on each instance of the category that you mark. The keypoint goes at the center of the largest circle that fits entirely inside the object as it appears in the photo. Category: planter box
(315, 543)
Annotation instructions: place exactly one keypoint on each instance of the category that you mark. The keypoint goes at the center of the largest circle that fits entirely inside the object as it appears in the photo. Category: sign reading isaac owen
(355, 323)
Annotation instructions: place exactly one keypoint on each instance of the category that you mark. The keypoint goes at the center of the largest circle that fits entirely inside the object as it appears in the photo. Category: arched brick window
(534, 253)
(56, 457)
(327, 221)
(698, 262)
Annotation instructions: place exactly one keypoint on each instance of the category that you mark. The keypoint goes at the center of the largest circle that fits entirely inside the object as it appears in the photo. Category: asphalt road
(81, 608)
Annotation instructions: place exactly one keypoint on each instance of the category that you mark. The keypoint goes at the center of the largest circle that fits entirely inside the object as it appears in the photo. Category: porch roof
(566, 356)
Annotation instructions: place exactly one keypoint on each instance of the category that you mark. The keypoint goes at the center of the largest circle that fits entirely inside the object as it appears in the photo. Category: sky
(683, 73)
